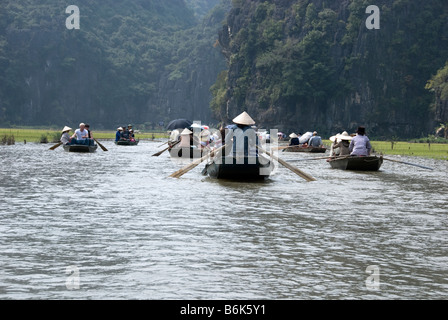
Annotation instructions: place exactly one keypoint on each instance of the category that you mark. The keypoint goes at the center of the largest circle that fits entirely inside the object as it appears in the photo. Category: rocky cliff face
(313, 64)
(139, 61)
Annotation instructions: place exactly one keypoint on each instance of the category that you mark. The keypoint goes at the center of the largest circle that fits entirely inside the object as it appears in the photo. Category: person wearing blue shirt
(315, 141)
(244, 137)
(118, 134)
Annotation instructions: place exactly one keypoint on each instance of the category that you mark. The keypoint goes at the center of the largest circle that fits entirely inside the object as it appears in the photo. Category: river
(113, 225)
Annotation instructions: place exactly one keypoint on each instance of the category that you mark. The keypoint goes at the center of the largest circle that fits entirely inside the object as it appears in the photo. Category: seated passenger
(294, 139)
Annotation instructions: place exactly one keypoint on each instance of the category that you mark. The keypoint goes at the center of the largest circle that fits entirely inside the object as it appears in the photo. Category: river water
(113, 225)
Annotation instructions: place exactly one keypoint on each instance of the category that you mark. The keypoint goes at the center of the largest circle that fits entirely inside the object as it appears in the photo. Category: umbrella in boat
(178, 123)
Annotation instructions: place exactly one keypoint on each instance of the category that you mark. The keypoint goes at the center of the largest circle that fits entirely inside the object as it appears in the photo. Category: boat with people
(83, 148)
(358, 163)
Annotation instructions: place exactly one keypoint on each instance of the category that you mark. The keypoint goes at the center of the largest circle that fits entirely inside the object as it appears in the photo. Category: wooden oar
(160, 152)
(162, 144)
(192, 165)
(101, 146)
(297, 171)
(55, 146)
(408, 163)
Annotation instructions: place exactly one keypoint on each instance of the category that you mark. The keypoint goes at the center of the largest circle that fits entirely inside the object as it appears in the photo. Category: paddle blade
(297, 171)
(101, 146)
(55, 146)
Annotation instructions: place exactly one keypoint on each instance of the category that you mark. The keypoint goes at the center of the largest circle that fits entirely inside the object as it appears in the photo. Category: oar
(160, 152)
(297, 171)
(55, 146)
(101, 146)
(162, 144)
(192, 165)
(408, 163)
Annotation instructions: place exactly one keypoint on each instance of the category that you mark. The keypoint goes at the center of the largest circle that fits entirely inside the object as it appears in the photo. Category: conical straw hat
(344, 136)
(293, 135)
(244, 118)
(333, 138)
(66, 129)
(186, 132)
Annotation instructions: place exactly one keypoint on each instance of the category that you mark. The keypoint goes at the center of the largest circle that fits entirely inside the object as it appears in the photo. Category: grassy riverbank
(37, 135)
(429, 150)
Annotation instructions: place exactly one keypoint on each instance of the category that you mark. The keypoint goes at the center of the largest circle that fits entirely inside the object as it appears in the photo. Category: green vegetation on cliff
(308, 64)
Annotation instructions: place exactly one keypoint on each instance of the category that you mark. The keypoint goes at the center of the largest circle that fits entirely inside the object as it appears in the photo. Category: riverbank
(428, 150)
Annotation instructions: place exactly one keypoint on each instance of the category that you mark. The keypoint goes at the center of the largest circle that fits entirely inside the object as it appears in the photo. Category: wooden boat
(80, 148)
(127, 142)
(305, 149)
(250, 168)
(369, 163)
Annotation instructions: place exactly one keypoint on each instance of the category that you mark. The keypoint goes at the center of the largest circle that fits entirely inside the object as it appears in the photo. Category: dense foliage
(109, 71)
(301, 65)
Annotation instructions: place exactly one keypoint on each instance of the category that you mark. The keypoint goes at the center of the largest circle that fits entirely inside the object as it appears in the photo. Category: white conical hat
(66, 129)
(333, 138)
(344, 136)
(293, 135)
(186, 132)
(244, 118)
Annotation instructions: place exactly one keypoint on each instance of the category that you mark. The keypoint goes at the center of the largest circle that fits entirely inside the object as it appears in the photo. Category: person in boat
(360, 144)
(65, 137)
(118, 134)
(186, 141)
(294, 139)
(124, 134)
(315, 141)
(341, 144)
(242, 136)
(90, 136)
(205, 139)
(81, 136)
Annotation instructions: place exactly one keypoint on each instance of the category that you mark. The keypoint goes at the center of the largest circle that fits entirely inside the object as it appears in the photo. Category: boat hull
(250, 169)
(80, 148)
(306, 149)
(370, 163)
(126, 143)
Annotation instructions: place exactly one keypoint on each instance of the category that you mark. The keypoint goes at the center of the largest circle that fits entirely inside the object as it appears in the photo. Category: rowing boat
(127, 142)
(369, 163)
(244, 168)
(305, 149)
(80, 148)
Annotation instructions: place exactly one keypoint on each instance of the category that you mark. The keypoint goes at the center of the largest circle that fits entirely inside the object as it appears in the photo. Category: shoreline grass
(404, 148)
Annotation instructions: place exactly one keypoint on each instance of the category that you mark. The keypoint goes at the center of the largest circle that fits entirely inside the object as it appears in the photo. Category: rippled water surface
(130, 232)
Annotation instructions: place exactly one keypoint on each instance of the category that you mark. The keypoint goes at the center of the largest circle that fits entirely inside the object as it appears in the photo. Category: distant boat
(80, 148)
(231, 170)
(369, 163)
(127, 142)
(306, 149)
